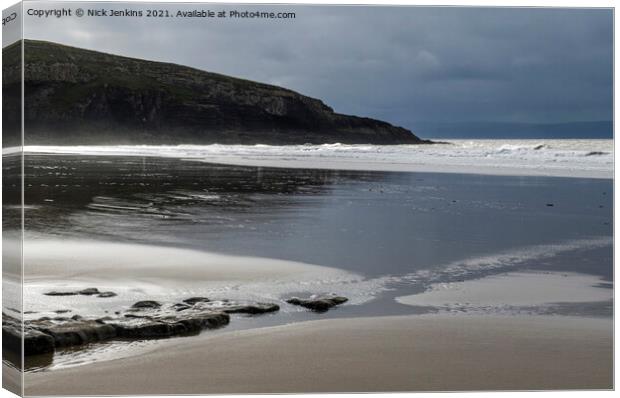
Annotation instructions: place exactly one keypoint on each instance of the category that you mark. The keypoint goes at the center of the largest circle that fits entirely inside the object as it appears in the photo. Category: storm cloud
(410, 66)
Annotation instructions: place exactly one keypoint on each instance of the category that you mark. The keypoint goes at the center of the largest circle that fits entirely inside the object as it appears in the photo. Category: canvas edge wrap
(12, 199)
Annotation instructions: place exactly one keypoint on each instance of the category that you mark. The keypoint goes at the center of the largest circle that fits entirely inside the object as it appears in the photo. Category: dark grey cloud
(405, 65)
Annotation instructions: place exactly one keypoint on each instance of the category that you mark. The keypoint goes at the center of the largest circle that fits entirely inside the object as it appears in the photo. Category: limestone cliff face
(76, 96)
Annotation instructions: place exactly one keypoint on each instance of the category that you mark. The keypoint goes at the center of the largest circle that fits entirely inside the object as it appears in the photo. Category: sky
(411, 66)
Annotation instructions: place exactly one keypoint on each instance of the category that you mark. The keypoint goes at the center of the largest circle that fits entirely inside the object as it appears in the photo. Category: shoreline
(524, 158)
(412, 168)
(396, 353)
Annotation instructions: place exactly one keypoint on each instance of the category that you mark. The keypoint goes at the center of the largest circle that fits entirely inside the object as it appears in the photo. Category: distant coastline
(600, 129)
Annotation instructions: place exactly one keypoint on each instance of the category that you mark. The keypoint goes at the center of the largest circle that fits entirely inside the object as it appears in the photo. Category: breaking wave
(569, 158)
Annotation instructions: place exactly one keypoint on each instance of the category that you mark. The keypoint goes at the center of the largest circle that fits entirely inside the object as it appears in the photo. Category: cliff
(77, 96)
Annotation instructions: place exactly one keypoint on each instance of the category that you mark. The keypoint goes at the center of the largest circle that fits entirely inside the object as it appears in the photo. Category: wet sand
(407, 353)
(508, 289)
(100, 261)
(11, 379)
(136, 272)
(463, 168)
(358, 225)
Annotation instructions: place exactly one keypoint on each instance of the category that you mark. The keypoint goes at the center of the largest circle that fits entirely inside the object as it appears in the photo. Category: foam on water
(503, 261)
(568, 158)
(473, 267)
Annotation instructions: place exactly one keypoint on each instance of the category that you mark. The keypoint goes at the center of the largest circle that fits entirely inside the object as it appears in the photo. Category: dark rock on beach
(89, 292)
(181, 306)
(194, 300)
(234, 307)
(55, 293)
(318, 303)
(197, 322)
(46, 334)
(164, 323)
(167, 326)
(35, 341)
(144, 328)
(70, 332)
(144, 319)
(146, 304)
(252, 309)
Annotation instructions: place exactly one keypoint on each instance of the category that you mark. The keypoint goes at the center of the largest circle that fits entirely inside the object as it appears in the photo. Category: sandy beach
(483, 245)
(505, 290)
(137, 272)
(408, 353)
(95, 260)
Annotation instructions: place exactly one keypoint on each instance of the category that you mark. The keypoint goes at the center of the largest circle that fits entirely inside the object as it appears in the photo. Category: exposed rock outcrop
(70, 332)
(232, 307)
(91, 291)
(35, 341)
(143, 320)
(165, 325)
(146, 304)
(318, 303)
(56, 293)
(194, 300)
